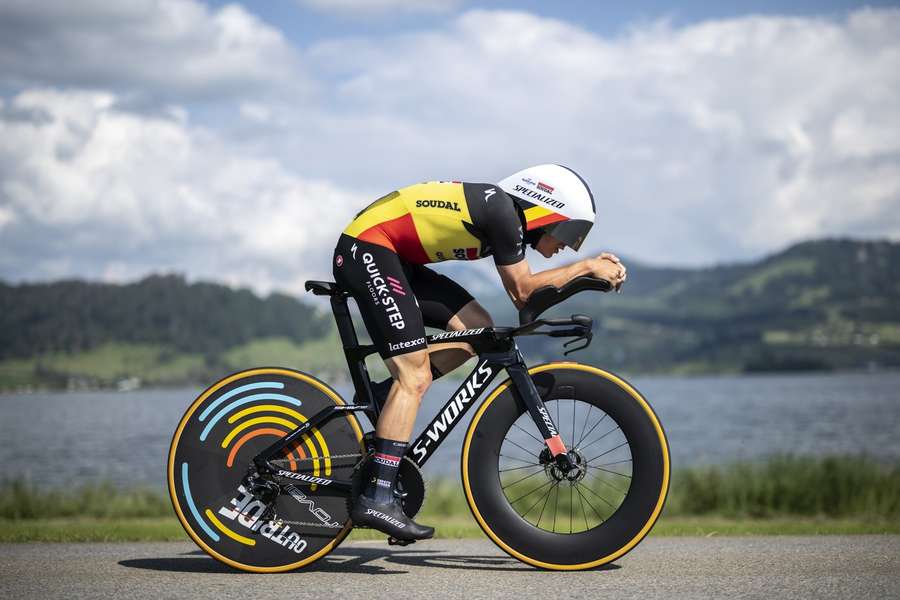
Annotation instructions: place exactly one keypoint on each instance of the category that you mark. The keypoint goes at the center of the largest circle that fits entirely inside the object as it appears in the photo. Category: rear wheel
(589, 516)
(229, 424)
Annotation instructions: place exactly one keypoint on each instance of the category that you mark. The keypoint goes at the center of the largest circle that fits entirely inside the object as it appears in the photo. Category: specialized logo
(443, 422)
(339, 260)
(303, 477)
(380, 515)
(547, 421)
(521, 189)
(317, 512)
(454, 334)
(446, 204)
(407, 344)
(353, 250)
(378, 288)
(488, 193)
(247, 512)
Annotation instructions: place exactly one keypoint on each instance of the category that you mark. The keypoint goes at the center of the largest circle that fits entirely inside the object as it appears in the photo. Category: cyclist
(380, 259)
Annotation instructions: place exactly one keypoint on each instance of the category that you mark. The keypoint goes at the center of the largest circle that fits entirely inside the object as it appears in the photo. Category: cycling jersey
(437, 221)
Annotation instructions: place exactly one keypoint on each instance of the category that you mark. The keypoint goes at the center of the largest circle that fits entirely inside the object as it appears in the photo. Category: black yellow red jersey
(437, 221)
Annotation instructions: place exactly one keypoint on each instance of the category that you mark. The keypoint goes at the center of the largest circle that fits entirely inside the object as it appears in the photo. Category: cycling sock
(385, 463)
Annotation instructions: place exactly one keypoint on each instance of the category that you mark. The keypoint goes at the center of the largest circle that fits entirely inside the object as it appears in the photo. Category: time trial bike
(564, 466)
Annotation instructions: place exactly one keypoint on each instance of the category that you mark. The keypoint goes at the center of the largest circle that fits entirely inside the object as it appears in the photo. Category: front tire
(625, 423)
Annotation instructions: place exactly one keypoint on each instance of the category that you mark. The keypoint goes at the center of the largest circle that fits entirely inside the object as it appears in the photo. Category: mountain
(828, 304)
(161, 329)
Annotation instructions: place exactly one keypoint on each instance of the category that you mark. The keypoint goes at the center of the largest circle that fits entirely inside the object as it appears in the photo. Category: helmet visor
(571, 233)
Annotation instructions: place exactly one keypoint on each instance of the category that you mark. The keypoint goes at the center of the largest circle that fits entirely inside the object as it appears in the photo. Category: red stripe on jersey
(400, 236)
(545, 220)
(402, 232)
(472, 253)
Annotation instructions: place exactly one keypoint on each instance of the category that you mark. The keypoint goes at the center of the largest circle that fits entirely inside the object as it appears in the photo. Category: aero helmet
(553, 198)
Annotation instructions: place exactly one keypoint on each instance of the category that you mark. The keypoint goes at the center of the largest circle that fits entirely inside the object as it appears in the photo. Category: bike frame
(497, 351)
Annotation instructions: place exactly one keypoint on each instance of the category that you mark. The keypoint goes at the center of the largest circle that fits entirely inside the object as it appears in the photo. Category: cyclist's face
(549, 245)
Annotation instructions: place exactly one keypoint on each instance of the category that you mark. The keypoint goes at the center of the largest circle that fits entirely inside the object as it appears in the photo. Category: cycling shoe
(388, 518)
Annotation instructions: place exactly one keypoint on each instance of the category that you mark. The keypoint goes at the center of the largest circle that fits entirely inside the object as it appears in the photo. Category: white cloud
(92, 190)
(169, 48)
(716, 141)
(369, 7)
(708, 142)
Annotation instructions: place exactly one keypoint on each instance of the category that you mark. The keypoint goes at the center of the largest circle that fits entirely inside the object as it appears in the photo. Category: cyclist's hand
(610, 268)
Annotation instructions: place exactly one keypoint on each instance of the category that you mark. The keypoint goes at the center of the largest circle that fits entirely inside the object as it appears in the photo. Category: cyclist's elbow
(519, 292)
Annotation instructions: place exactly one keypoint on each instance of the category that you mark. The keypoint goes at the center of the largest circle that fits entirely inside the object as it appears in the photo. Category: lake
(64, 438)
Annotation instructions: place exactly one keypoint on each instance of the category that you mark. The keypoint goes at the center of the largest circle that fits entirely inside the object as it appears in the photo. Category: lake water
(63, 438)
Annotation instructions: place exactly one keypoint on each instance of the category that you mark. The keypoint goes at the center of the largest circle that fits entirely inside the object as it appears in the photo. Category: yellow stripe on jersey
(388, 208)
(438, 210)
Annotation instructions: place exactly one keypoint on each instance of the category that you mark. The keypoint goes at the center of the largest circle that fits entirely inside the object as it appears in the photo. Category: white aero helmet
(554, 198)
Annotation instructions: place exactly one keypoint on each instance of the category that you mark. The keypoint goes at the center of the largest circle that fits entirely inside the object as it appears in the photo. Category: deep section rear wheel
(229, 424)
(579, 519)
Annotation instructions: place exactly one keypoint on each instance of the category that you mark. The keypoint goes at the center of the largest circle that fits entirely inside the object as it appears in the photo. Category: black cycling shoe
(388, 518)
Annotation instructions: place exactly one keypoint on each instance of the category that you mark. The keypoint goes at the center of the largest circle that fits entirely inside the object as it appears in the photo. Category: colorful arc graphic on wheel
(230, 423)
(242, 414)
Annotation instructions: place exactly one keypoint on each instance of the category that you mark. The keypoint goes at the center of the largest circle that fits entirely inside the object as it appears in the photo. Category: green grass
(837, 486)
(782, 495)
(104, 365)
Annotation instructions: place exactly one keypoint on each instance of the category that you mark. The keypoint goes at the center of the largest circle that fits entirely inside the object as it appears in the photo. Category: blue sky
(305, 25)
(234, 141)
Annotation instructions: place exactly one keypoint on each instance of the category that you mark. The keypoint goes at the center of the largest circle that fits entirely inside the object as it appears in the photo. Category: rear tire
(609, 531)
(226, 426)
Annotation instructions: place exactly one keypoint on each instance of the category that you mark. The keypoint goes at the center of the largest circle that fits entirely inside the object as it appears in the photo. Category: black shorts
(397, 299)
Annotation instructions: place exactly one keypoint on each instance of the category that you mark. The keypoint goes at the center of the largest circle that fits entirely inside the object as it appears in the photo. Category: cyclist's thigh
(375, 278)
(440, 298)
(470, 316)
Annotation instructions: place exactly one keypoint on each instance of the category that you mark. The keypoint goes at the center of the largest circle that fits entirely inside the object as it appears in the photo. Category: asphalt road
(750, 567)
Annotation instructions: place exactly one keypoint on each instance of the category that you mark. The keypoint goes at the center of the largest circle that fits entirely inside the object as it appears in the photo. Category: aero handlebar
(545, 297)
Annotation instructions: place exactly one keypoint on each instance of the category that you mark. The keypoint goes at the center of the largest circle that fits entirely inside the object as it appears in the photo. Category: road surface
(750, 567)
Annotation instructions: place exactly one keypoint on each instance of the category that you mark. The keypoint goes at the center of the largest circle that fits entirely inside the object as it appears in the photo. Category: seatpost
(359, 374)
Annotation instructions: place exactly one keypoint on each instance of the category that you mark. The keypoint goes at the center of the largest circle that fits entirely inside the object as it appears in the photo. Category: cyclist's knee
(413, 372)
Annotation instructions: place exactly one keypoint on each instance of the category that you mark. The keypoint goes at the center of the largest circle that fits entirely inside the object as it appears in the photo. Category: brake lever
(586, 338)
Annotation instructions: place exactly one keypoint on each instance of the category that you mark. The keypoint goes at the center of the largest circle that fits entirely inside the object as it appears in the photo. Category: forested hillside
(817, 305)
(160, 329)
(831, 304)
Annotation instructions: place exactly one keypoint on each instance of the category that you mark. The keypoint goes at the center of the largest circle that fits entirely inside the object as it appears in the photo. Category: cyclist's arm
(520, 282)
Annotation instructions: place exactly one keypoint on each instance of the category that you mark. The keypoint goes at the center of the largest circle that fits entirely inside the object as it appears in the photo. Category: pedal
(392, 541)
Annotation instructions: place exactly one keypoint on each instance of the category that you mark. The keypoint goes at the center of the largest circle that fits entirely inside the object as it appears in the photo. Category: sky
(233, 141)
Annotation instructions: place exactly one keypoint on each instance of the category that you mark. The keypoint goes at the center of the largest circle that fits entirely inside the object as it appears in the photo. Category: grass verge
(168, 529)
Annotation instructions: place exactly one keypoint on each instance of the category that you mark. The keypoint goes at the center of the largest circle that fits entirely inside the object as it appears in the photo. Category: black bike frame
(497, 350)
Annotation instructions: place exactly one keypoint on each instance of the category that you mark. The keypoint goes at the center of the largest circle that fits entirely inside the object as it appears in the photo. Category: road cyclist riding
(564, 466)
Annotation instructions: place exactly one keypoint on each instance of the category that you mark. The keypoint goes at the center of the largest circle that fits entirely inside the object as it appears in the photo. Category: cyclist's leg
(470, 316)
(412, 376)
(446, 305)
(375, 277)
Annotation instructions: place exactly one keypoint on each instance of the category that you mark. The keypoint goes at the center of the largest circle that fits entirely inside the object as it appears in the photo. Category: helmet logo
(524, 191)
(544, 187)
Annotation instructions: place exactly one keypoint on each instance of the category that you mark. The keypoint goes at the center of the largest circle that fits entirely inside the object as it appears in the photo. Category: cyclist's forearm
(520, 282)
(557, 277)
